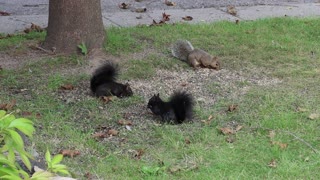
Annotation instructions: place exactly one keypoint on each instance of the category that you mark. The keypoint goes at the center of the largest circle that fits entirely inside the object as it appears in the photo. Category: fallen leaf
(314, 116)
(138, 153)
(210, 117)
(238, 128)
(2, 13)
(272, 134)
(26, 113)
(69, 153)
(272, 163)
(100, 135)
(141, 10)
(187, 18)
(226, 131)
(187, 141)
(237, 21)
(299, 109)
(165, 17)
(169, 3)
(38, 115)
(184, 84)
(8, 106)
(154, 23)
(124, 6)
(281, 145)
(174, 169)
(88, 175)
(232, 107)
(232, 10)
(230, 139)
(112, 132)
(124, 122)
(128, 128)
(67, 87)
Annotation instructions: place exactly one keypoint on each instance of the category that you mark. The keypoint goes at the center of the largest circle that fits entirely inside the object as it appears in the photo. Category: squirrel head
(215, 63)
(154, 104)
(126, 91)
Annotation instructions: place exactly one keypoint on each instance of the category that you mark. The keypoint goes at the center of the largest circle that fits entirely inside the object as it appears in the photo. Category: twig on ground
(288, 132)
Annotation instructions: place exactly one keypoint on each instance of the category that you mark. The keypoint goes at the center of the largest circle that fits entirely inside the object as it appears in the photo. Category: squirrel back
(181, 49)
(103, 82)
(176, 110)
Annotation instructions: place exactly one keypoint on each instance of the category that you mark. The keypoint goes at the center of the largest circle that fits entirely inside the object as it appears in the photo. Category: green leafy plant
(83, 48)
(54, 164)
(13, 145)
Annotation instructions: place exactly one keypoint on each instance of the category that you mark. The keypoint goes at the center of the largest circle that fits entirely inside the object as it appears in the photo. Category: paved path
(23, 14)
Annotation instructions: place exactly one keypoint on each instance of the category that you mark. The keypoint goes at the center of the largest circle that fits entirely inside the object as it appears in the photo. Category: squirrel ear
(157, 95)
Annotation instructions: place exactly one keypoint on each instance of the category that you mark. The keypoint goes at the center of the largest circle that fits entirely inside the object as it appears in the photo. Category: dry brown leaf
(8, 106)
(2, 13)
(174, 169)
(232, 107)
(184, 84)
(226, 131)
(26, 113)
(69, 153)
(154, 23)
(230, 139)
(281, 145)
(124, 6)
(238, 128)
(314, 116)
(169, 3)
(300, 109)
(232, 10)
(187, 141)
(100, 135)
(272, 163)
(125, 122)
(141, 10)
(210, 118)
(38, 115)
(237, 21)
(272, 134)
(88, 176)
(67, 87)
(165, 17)
(187, 18)
(139, 153)
(112, 132)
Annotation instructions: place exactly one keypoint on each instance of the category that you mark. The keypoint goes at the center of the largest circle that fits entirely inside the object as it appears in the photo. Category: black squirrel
(183, 50)
(176, 110)
(103, 82)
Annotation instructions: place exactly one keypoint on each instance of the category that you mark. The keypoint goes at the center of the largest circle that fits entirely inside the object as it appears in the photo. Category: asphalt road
(40, 7)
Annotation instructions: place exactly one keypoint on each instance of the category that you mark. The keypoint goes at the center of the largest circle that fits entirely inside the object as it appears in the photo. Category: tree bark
(73, 22)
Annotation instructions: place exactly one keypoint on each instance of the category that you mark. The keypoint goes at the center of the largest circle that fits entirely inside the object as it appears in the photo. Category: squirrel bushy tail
(181, 49)
(182, 105)
(105, 74)
(176, 110)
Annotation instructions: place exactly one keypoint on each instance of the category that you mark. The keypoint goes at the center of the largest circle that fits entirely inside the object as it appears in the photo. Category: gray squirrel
(183, 50)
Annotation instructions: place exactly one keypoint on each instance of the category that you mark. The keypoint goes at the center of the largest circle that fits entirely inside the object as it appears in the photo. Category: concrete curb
(13, 24)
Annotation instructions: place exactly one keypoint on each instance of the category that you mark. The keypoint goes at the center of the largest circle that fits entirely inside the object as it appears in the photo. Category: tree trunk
(73, 22)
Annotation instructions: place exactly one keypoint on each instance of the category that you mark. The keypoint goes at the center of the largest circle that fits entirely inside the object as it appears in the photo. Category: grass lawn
(270, 72)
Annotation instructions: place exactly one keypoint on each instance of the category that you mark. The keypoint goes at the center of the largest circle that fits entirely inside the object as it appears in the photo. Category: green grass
(281, 48)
